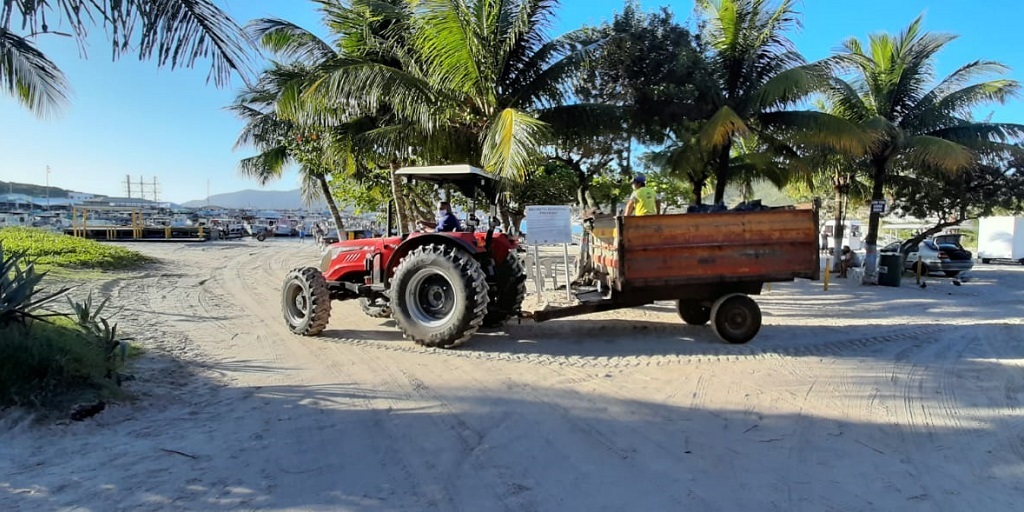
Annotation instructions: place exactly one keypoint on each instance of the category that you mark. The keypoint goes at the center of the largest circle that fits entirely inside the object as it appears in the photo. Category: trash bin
(890, 269)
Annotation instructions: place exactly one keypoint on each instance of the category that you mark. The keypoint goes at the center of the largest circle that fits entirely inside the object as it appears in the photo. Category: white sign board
(548, 225)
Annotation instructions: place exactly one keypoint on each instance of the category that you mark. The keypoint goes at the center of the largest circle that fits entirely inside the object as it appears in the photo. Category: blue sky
(130, 117)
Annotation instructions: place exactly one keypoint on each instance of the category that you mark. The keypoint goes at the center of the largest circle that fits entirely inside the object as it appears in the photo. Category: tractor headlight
(329, 255)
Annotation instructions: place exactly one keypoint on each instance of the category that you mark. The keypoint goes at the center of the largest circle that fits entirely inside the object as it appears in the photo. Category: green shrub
(46, 362)
(46, 356)
(51, 249)
(21, 298)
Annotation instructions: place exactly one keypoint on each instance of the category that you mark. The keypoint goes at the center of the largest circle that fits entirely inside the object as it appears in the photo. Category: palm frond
(372, 86)
(721, 128)
(446, 41)
(938, 153)
(180, 32)
(31, 78)
(511, 145)
(289, 40)
(266, 166)
(790, 86)
(819, 129)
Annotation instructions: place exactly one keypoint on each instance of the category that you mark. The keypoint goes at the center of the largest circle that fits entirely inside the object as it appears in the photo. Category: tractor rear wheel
(305, 301)
(510, 288)
(736, 318)
(693, 312)
(438, 295)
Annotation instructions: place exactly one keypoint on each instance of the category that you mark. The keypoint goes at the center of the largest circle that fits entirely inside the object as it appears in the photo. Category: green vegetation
(31, 190)
(49, 363)
(47, 357)
(48, 249)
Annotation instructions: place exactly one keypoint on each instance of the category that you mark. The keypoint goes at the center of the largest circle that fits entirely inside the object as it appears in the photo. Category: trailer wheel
(693, 312)
(736, 318)
(305, 301)
(438, 295)
(261, 237)
(510, 288)
(989, 260)
(374, 309)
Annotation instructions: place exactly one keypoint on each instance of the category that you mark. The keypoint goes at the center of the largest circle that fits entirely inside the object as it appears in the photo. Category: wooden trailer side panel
(659, 250)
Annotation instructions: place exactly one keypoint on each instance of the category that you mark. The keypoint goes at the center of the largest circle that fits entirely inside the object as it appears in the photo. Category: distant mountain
(9, 187)
(256, 199)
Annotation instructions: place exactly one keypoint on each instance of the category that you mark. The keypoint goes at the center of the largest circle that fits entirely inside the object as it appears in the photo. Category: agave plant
(21, 298)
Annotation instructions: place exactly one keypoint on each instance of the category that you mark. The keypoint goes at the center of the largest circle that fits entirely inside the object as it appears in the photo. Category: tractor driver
(446, 220)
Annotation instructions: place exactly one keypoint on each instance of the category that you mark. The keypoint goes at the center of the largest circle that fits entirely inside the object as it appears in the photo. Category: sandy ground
(859, 398)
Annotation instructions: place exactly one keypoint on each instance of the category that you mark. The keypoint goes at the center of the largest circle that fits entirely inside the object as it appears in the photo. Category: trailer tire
(373, 310)
(261, 237)
(438, 295)
(736, 318)
(506, 300)
(305, 301)
(693, 312)
(989, 260)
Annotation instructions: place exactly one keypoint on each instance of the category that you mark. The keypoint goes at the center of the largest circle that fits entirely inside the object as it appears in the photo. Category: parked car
(942, 253)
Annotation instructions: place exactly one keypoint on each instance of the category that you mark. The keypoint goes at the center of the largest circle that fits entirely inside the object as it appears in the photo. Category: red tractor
(439, 287)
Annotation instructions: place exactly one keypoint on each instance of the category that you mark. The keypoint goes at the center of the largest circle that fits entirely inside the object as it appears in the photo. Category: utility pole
(128, 185)
(47, 188)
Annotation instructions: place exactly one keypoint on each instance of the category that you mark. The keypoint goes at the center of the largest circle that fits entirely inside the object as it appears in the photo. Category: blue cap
(640, 179)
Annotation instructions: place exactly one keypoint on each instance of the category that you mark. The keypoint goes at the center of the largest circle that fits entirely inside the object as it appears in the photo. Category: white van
(852, 234)
(1001, 238)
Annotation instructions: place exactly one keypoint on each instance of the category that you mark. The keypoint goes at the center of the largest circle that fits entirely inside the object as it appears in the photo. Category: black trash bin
(890, 269)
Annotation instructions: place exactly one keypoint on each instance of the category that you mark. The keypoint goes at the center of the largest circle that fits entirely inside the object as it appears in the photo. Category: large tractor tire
(510, 289)
(305, 301)
(736, 318)
(693, 312)
(438, 295)
(374, 308)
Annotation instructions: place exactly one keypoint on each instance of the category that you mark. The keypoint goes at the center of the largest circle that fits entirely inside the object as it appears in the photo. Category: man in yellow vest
(643, 201)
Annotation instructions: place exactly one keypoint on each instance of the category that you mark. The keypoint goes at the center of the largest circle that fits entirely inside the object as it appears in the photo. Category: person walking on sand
(302, 233)
(643, 200)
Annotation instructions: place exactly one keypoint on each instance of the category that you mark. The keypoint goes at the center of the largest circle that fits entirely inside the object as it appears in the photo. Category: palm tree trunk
(401, 216)
(698, 190)
(722, 174)
(325, 189)
(874, 219)
(839, 228)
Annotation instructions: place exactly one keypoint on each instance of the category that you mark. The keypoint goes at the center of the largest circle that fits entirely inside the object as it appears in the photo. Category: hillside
(10, 187)
(258, 199)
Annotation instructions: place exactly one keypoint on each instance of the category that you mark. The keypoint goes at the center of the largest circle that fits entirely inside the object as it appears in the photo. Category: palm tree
(456, 80)
(758, 76)
(174, 32)
(282, 142)
(913, 123)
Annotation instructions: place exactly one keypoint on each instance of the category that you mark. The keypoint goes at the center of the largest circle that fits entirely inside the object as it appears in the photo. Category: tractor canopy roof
(466, 178)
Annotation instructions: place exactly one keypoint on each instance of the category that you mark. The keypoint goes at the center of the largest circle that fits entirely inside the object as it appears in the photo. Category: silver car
(942, 253)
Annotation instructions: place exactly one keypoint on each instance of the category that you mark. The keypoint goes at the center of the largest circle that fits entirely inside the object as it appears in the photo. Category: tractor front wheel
(305, 301)
(439, 295)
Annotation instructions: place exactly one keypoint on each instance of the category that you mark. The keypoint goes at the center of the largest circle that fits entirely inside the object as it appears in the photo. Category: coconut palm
(282, 142)
(914, 121)
(174, 32)
(457, 80)
(757, 78)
